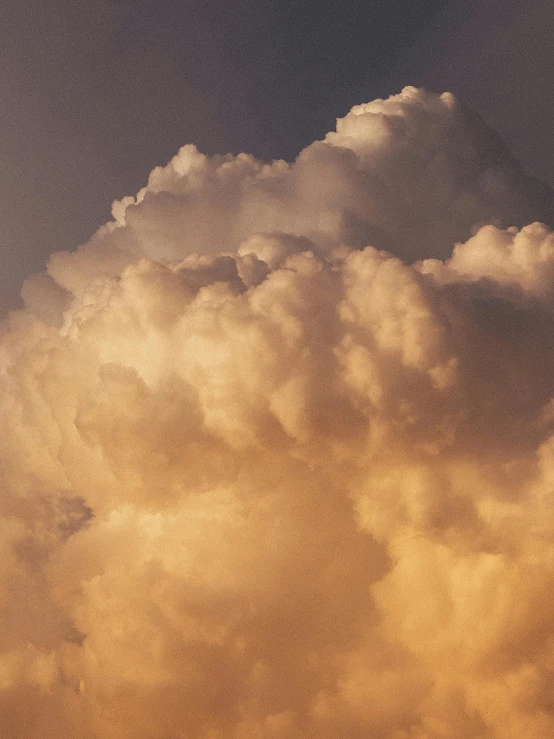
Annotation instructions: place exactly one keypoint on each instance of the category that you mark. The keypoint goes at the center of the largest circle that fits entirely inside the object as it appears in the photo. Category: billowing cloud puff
(413, 175)
(263, 478)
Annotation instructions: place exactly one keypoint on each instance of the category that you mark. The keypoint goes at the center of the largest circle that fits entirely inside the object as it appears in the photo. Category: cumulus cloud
(278, 450)
(413, 175)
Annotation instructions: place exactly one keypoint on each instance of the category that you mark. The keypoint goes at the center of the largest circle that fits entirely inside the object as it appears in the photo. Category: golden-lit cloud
(263, 479)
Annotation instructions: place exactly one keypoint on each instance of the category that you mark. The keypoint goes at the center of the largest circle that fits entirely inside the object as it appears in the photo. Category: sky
(277, 435)
(95, 94)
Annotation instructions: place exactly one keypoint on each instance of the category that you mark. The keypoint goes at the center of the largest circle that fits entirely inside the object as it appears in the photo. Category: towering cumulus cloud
(277, 450)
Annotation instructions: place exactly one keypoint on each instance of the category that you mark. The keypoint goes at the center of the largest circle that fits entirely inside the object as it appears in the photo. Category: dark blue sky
(95, 93)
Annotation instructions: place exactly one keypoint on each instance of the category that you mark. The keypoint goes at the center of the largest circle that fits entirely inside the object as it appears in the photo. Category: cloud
(413, 174)
(263, 478)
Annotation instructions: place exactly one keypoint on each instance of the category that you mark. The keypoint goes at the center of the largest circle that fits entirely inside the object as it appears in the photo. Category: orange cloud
(262, 479)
